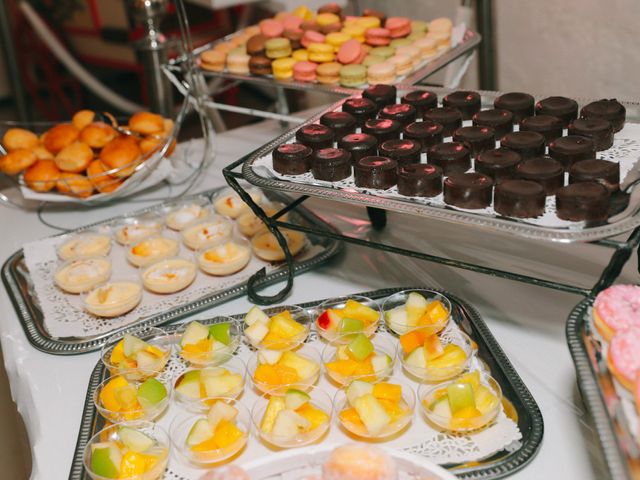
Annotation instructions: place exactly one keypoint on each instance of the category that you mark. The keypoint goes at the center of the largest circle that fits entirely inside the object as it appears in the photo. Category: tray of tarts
(217, 235)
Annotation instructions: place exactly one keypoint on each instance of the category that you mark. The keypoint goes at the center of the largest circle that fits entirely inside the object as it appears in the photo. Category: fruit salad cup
(131, 450)
(360, 358)
(339, 318)
(284, 328)
(408, 310)
(137, 352)
(195, 385)
(212, 437)
(209, 342)
(272, 371)
(119, 399)
(376, 411)
(470, 402)
(437, 357)
(293, 418)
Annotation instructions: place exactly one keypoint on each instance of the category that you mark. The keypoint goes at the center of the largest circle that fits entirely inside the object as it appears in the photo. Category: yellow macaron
(300, 55)
(320, 52)
(368, 22)
(324, 19)
(283, 68)
(303, 12)
(355, 31)
(336, 39)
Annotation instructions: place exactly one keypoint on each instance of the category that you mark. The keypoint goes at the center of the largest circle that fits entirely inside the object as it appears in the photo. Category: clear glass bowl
(183, 213)
(228, 266)
(334, 335)
(228, 203)
(134, 229)
(319, 400)
(299, 315)
(212, 358)
(82, 274)
(155, 276)
(211, 231)
(94, 242)
(111, 433)
(399, 299)
(169, 248)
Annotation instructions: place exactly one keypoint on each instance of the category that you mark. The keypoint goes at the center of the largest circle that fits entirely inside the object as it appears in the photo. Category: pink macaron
(398, 26)
(305, 71)
(291, 22)
(378, 37)
(271, 28)
(350, 52)
(311, 36)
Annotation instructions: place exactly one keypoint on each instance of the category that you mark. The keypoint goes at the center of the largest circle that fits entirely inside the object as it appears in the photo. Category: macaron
(372, 60)
(238, 61)
(323, 19)
(384, 52)
(377, 37)
(255, 44)
(271, 28)
(353, 75)
(336, 39)
(428, 47)
(291, 22)
(305, 71)
(329, 73)
(350, 52)
(331, 28)
(403, 64)
(311, 36)
(320, 52)
(278, 47)
(303, 12)
(381, 73)
(419, 26)
(294, 36)
(441, 24)
(331, 8)
(368, 22)
(412, 52)
(224, 47)
(355, 31)
(283, 68)
(400, 42)
(260, 65)
(413, 36)
(212, 60)
(398, 26)
(300, 55)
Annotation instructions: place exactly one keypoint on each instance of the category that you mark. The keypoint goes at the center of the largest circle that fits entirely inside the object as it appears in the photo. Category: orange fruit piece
(387, 391)
(350, 415)
(343, 367)
(315, 416)
(393, 409)
(227, 434)
(436, 311)
(411, 340)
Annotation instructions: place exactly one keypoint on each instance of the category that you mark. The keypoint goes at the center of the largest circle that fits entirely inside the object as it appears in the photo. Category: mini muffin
(100, 180)
(18, 138)
(74, 158)
(16, 161)
(121, 154)
(42, 153)
(42, 175)
(97, 134)
(146, 123)
(82, 118)
(153, 143)
(74, 184)
(60, 136)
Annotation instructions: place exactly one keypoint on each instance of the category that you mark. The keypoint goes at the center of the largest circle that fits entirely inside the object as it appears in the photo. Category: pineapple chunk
(275, 406)
(304, 367)
(372, 414)
(284, 325)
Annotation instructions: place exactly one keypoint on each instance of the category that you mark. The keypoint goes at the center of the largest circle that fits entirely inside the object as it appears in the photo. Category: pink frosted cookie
(311, 36)
(398, 26)
(623, 358)
(305, 71)
(616, 308)
(271, 28)
(377, 36)
(350, 52)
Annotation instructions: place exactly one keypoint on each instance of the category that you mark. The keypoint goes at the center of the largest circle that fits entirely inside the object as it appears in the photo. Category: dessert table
(528, 321)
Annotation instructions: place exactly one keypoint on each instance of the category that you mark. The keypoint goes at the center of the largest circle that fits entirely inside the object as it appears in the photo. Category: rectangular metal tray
(520, 405)
(18, 284)
(594, 379)
(578, 231)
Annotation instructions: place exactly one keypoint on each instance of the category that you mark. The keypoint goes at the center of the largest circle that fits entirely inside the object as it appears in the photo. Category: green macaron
(353, 75)
(419, 26)
(384, 52)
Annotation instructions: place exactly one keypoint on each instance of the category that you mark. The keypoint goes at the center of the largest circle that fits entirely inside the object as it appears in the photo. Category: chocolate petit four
(375, 172)
(381, 95)
(499, 164)
(370, 12)
(401, 112)
(544, 170)
(583, 201)
(500, 120)
(466, 101)
(420, 180)
(342, 123)
(477, 139)
(548, 125)
(571, 149)
(602, 171)
(521, 105)
(382, 128)
(428, 133)
(260, 65)
(404, 151)
(611, 110)
(292, 159)
(421, 100)
(359, 145)
(451, 157)
(597, 129)
(527, 144)
(360, 108)
(450, 118)
(468, 190)
(331, 164)
(315, 136)
(566, 109)
(519, 198)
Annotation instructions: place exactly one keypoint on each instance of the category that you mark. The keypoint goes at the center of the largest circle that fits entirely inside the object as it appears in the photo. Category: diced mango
(350, 415)
(345, 368)
(274, 341)
(275, 374)
(411, 340)
(117, 354)
(284, 325)
(315, 416)
(387, 391)
(393, 409)
(108, 393)
(206, 446)
(355, 309)
(364, 368)
(437, 312)
(133, 464)
(227, 434)
(433, 347)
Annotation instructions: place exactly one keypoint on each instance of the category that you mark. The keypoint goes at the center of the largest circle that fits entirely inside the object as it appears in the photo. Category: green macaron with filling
(353, 75)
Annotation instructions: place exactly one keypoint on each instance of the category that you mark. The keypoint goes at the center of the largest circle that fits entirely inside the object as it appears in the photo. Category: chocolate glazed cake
(342, 123)
(450, 118)
(477, 139)
(583, 201)
(427, 133)
(500, 120)
(571, 149)
(331, 164)
(521, 105)
(381, 95)
(382, 128)
(360, 108)
(519, 198)
(527, 144)
(375, 172)
(315, 136)
(499, 164)
(401, 112)
(421, 100)
(597, 129)
(468, 190)
(566, 109)
(611, 110)
(359, 145)
(451, 157)
(549, 126)
(420, 180)
(602, 171)
(292, 159)
(404, 151)
(544, 170)
(466, 101)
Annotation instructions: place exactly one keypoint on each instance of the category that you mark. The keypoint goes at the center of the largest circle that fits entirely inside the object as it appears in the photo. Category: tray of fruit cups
(429, 380)
(93, 158)
(507, 162)
(150, 267)
(327, 49)
(603, 335)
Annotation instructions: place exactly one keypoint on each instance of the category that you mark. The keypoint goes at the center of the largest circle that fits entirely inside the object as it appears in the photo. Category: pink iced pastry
(305, 71)
(377, 36)
(616, 308)
(350, 52)
(271, 28)
(398, 26)
(311, 36)
(624, 356)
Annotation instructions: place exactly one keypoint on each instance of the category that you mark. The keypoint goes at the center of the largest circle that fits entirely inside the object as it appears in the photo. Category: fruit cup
(210, 342)
(130, 450)
(293, 418)
(272, 371)
(195, 385)
(284, 328)
(133, 229)
(408, 310)
(470, 402)
(144, 350)
(361, 358)
(377, 411)
(119, 399)
(339, 318)
(212, 437)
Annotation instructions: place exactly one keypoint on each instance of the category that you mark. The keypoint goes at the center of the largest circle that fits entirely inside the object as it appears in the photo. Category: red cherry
(324, 321)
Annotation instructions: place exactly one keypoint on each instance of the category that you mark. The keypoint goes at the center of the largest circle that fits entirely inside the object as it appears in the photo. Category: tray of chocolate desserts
(603, 334)
(151, 267)
(332, 50)
(545, 167)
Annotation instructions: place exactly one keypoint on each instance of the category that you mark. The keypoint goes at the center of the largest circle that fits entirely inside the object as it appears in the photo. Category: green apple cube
(132, 345)
(269, 357)
(194, 332)
(304, 367)
(294, 399)
(200, 432)
(105, 459)
(397, 320)
(351, 326)
(135, 440)
(256, 332)
(221, 332)
(372, 413)
(416, 306)
(288, 424)
(381, 363)
(460, 397)
(189, 385)
(151, 392)
(360, 347)
(220, 411)
(357, 389)
(275, 405)
(441, 408)
(256, 315)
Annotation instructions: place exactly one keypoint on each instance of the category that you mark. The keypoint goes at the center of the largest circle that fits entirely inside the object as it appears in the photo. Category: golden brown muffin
(168, 125)
(18, 138)
(149, 145)
(42, 153)
(16, 161)
(121, 153)
(74, 184)
(97, 134)
(60, 136)
(82, 118)
(42, 175)
(74, 158)
(103, 182)
(146, 123)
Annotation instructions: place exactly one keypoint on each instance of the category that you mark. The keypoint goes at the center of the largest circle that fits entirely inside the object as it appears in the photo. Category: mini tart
(82, 274)
(249, 223)
(231, 205)
(169, 276)
(136, 231)
(205, 233)
(151, 250)
(85, 245)
(185, 215)
(224, 259)
(266, 246)
(113, 299)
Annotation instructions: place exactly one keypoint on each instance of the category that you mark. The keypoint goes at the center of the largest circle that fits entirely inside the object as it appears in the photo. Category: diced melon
(372, 414)
(397, 319)
(357, 389)
(200, 432)
(256, 332)
(255, 314)
(416, 305)
(304, 367)
(284, 325)
(194, 333)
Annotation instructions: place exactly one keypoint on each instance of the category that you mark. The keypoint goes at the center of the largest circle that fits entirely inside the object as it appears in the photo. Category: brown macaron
(260, 65)
(256, 44)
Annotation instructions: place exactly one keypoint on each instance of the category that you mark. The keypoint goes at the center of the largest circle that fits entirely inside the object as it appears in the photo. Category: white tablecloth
(527, 321)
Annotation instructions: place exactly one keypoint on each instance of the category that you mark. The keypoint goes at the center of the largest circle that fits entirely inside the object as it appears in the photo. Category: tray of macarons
(544, 167)
(329, 49)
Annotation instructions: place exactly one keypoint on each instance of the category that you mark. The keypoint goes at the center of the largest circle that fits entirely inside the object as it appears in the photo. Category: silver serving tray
(520, 405)
(19, 286)
(593, 380)
(579, 231)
